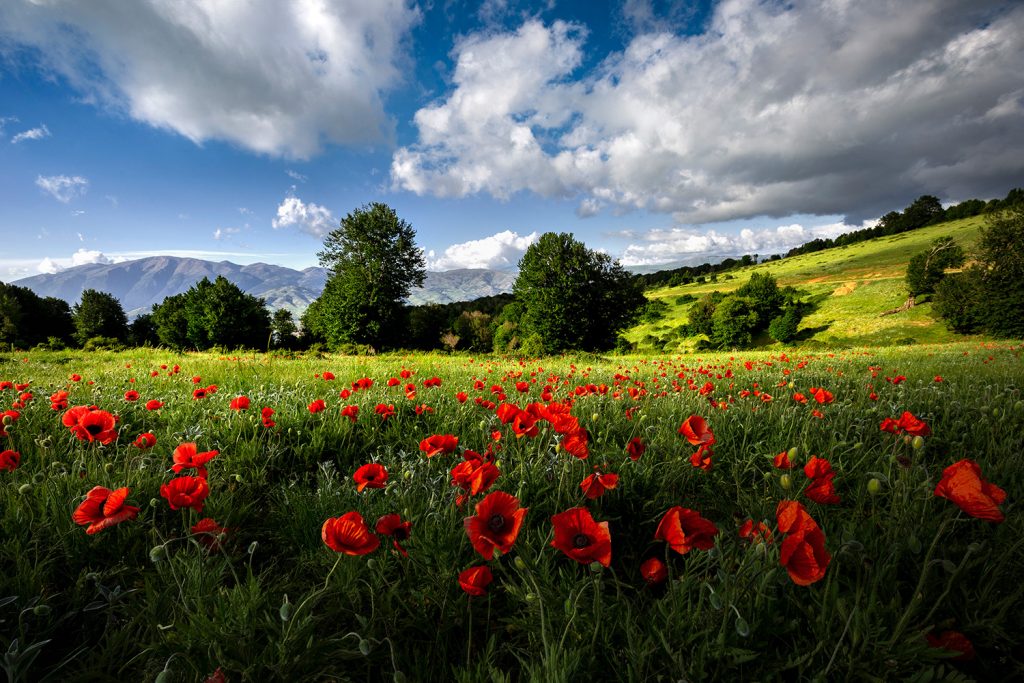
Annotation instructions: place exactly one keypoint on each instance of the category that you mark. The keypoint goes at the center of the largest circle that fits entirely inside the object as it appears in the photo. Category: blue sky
(659, 132)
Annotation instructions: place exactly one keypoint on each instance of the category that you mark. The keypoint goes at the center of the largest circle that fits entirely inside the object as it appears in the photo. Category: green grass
(852, 286)
(145, 596)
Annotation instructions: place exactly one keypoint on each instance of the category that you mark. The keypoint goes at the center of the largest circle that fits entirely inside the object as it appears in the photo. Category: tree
(957, 300)
(284, 328)
(1000, 254)
(734, 322)
(927, 268)
(784, 327)
(374, 264)
(99, 314)
(210, 314)
(142, 331)
(573, 297)
(765, 298)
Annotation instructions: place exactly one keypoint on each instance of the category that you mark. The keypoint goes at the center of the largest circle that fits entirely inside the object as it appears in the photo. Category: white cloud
(693, 246)
(225, 233)
(806, 107)
(49, 266)
(86, 256)
(275, 77)
(31, 134)
(588, 207)
(497, 252)
(63, 188)
(309, 218)
(296, 176)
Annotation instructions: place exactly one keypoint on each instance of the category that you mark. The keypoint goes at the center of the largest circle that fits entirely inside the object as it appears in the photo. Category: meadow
(849, 286)
(793, 514)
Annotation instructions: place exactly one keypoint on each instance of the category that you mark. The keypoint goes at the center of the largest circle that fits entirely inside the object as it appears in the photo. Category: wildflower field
(746, 516)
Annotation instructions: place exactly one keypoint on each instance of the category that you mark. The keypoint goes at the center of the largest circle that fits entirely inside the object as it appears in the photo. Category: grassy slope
(853, 285)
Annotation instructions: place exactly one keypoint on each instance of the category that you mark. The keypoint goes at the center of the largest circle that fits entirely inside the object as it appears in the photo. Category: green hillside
(851, 286)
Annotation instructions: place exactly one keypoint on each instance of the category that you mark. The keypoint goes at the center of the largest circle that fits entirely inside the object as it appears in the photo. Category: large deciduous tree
(210, 314)
(374, 264)
(99, 314)
(572, 297)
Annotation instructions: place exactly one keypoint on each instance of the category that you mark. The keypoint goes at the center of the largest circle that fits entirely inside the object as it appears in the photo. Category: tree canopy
(26, 319)
(572, 297)
(99, 314)
(374, 264)
(211, 314)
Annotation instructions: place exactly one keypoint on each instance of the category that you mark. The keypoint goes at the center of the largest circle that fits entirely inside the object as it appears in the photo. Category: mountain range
(142, 283)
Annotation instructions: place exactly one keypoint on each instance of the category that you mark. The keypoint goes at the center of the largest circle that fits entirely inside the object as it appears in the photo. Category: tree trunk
(905, 306)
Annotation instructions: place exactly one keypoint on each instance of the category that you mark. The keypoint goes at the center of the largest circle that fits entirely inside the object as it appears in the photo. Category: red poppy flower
(239, 403)
(438, 444)
(186, 492)
(131, 395)
(317, 406)
(962, 483)
(267, 417)
(393, 526)
(654, 571)
(496, 523)
(755, 532)
(822, 490)
(635, 448)
(912, 425)
(104, 508)
(597, 483)
(199, 394)
(803, 552)
(800, 398)
(782, 462)
(525, 424)
(461, 397)
(371, 475)
(76, 378)
(817, 467)
(145, 440)
(327, 375)
(696, 431)
(823, 396)
(351, 412)
(154, 404)
(684, 529)
(475, 580)
(186, 456)
(9, 460)
(701, 458)
(954, 641)
(348, 534)
(362, 383)
(95, 425)
(385, 411)
(59, 400)
(507, 412)
(581, 538)
(197, 379)
(432, 382)
(473, 475)
(208, 532)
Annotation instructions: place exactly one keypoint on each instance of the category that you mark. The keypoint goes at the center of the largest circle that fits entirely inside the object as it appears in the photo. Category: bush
(734, 323)
(784, 327)
(532, 346)
(957, 299)
(102, 344)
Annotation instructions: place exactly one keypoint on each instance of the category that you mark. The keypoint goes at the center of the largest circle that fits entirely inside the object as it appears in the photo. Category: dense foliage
(833, 516)
(926, 270)
(212, 314)
(374, 263)
(989, 295)
(27, 319)
(571, 297)
(99, 314)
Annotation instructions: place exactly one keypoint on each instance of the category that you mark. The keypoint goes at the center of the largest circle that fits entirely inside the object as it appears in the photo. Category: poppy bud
(157, 553)
(918, 442)
(531, 597)
(793, 453)
(594, 417)
(41, 610)
(252, 547)
(163, 677)
(595, 567)
(364, 647)
(153, 502)
(108, 467)
(286, 609)
(38, 477)
(520, 563)
(995, 412)
(786, 482)
(24, 489)
(8, 420)
(371, 563)
(874, 486)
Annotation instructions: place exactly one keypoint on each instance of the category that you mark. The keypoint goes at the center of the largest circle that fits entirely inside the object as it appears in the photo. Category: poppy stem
(917, 596)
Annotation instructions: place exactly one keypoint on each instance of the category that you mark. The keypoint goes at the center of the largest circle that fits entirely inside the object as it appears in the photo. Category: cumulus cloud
(37, 133)
(49, 267)
(296, 176)
(309, 218)
(848, 108)
(281, 78)
(500, 251)
(692, 246)
(86, 256)
(63, 188)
